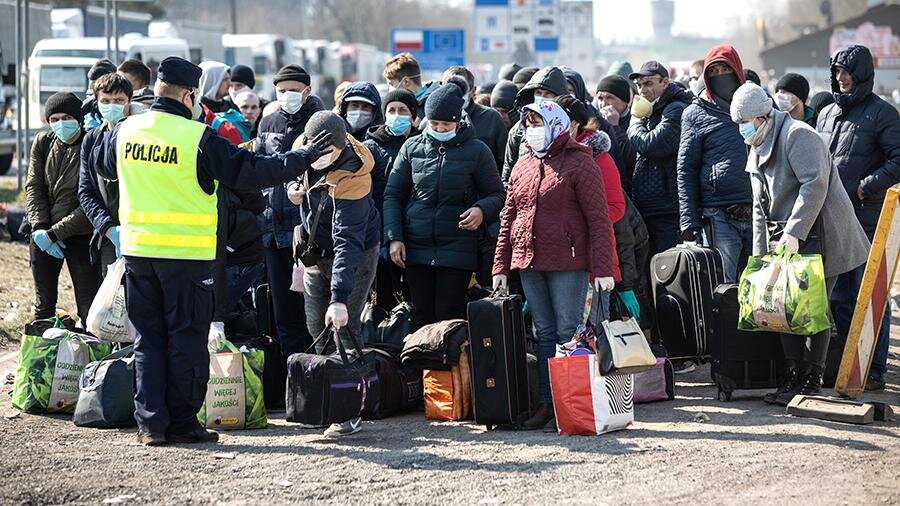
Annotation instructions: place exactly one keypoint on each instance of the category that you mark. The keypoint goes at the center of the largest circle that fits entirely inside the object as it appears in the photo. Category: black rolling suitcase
(497, 362)
(683, 280)
(741, 359)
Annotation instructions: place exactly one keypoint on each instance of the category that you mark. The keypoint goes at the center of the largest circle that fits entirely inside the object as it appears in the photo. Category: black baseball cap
(651, 68)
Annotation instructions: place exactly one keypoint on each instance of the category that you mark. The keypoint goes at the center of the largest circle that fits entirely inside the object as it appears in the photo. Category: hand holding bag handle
(357, 365)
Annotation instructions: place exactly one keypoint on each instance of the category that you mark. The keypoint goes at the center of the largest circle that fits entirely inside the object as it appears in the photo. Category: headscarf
(556, 123)
(211, 78)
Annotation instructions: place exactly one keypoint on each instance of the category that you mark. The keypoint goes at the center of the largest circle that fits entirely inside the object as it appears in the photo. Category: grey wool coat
(792, 170)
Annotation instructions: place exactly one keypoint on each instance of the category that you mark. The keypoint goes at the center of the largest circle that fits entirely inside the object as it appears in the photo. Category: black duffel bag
(400, 388)
(106, 397)
(331, 388)
(387, 331)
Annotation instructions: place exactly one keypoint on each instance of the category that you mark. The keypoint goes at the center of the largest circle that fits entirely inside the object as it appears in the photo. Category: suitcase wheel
(724, 396)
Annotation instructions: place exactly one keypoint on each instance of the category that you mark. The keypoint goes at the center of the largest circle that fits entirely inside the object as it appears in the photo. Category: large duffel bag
(683, 280)
(448, 394)
(498, 364)
(333, 388)
(106, 399)
(399, 388)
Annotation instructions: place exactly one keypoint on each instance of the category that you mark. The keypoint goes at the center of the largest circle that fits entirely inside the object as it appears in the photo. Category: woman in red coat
(555, 230)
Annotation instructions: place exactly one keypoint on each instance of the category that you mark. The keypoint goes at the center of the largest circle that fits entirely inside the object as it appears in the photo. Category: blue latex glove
(114, 237)
(631, 302)
(56, 250)
(41, 239)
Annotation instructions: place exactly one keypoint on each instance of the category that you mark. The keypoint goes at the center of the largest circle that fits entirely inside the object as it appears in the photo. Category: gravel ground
(746, 453)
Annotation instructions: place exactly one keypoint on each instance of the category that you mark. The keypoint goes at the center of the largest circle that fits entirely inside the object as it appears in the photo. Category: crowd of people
(530, 183)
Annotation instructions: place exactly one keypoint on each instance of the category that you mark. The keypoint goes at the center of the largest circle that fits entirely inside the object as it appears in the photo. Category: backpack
(234, 117)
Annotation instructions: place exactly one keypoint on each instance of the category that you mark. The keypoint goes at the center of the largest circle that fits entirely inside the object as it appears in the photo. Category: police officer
(168, 165)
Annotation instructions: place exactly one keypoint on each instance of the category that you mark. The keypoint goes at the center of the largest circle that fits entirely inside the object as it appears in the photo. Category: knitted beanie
(504, 95)
(292, 72)
(403, 96)
(323, 121)
(66, 102)
(616, 85)
(446, 102)
(243, 74)
(750, 101)
(794, 83)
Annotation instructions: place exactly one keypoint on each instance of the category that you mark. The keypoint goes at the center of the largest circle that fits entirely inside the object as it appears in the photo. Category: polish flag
(408, 40)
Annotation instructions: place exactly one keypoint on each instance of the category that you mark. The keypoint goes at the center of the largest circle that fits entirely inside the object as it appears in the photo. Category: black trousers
(170, 303)
(438, 293)
(45, 269)
(389, 282)
(287, 306)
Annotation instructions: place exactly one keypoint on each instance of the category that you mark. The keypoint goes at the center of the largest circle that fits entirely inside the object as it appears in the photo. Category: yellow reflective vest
(162, 209)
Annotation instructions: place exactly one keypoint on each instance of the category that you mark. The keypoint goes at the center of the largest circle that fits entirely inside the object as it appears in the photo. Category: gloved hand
(216, 335)
(41, 239)
(56, 250)
(689, 235)
(500, 282)
(604, 284)
(631, 302)
(296, 193)
(113, 235)
(337, 314)
(317, 146)
(791, 243)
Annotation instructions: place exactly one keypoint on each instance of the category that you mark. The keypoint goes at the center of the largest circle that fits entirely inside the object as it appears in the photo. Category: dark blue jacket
(368, 91)
(99, 197)
(712, 159)
(863, 134)
(384, 147)
(277, 132)
(349, 224)
(654, 182)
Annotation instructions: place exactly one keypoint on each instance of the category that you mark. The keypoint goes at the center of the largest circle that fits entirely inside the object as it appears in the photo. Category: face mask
(697, 87)
(724, 85)
(441, 136)
(65, 130)
(397, 124)
(323, 162)
(234, 93)
(536, 138)
(113, 113)
(538, 99)
(784, 102)
(747, 129)
(358, 119)
(290, 101)
(197, 109)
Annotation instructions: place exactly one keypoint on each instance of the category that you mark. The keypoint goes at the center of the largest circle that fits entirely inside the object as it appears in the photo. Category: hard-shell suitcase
(498, 364)
(683, 280)
(741, 359)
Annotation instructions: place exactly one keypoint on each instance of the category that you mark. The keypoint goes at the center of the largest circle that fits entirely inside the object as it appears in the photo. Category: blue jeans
(556, 301)
(733, 239)
(843, 303)
(239, 279)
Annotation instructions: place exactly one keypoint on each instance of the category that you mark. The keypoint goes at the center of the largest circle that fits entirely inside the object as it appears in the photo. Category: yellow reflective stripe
(172, 240)
(145, 217)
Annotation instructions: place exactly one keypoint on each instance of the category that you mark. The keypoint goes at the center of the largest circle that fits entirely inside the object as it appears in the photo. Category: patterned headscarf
(556, 122)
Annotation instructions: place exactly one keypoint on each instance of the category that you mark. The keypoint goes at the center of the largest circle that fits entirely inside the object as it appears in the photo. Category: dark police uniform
(168, 167)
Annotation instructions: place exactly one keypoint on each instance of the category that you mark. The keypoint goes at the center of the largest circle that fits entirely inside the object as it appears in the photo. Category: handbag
(621, 345)
(586, 403)
(305, 249)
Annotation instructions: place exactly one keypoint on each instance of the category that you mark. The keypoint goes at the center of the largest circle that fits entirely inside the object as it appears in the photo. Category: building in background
(576, 36)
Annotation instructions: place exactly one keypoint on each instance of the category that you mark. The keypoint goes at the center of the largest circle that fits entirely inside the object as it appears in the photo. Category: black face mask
(723, 85)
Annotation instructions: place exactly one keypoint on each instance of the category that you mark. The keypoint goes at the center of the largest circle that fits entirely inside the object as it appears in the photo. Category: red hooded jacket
(727, 55)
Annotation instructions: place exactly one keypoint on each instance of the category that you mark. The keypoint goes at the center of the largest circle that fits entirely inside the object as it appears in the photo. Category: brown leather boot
(541, 417)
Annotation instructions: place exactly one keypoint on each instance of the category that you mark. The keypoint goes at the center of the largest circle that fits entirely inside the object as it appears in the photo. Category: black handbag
(333, 388)
(305, 249)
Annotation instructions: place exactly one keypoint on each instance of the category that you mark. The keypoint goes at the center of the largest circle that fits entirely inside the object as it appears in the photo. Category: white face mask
(233, 93)
(197, 109)
(784, 102)
(358, 119)
(536, 138)
(291, 101)
(324, 161)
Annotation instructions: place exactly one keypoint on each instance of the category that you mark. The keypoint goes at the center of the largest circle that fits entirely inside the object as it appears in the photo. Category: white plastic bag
(108, 318)
(297, 278)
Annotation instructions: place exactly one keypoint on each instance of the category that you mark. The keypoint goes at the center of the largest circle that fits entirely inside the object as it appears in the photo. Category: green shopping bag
(784, 292)
(234, 395)
(49, 371)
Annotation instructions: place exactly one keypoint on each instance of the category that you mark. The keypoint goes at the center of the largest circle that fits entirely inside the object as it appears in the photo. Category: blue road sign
(435, 50)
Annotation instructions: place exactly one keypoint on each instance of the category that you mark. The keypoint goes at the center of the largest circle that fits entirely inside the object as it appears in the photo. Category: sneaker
(151, 439)
(874, 385)
(684, 366)
(344, 429)
(196, 435)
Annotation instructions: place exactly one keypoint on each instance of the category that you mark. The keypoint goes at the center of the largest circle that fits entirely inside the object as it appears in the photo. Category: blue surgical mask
(397, 124)
(113, 113)
(66, 129)
(747, 129)
(441, 136)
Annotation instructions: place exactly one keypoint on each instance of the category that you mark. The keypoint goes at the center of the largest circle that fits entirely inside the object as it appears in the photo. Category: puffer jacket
(99, 197)
(51, 188)
(431, 185)
(384, 147)
(863, 135)
(489, 129)
(654, 181)
(349, 223)
(368, 91)
(277, 132)
(555, 217)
